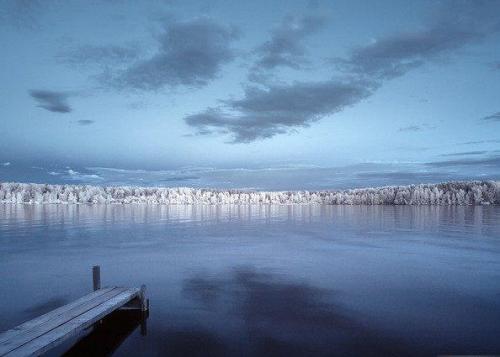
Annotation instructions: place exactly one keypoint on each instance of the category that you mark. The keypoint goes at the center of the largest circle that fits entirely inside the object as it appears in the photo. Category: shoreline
(444, 194)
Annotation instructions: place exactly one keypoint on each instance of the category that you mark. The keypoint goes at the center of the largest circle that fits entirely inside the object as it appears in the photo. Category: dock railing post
(142, 297)
(96, 277)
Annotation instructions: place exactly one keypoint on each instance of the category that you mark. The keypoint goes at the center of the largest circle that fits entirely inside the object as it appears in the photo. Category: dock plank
(7, 335)
(74, 326)
(41, 334)
(53, 321)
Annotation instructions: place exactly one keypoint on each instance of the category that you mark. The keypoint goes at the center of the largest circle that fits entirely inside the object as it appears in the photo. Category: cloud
(393, 56)
(272, 109)
(180, 178)
(51, 100)
(89, 55)
(415, 128)
(5, 164)
(85, 122)
(491, 161)
(466, 153)
(492, 118)
(79, 176)
(490, 141)
(263, 113)
(411, 128)
(190, 53)
(457, 25)
(404, 177)
(285, 47)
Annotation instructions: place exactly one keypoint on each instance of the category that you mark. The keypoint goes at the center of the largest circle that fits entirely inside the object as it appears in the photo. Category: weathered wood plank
(7, 335)
(56, 320)
(72, 327)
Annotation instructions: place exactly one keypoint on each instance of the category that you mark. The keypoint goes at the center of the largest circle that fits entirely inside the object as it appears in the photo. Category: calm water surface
(264, 280)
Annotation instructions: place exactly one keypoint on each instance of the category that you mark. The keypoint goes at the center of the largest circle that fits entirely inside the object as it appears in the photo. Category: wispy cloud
(415, 128)
(5, 164)
(74, 175)
(51, 100)
(104, 55)
(466, 153)
(476, 142)
(405, 177)
(492, 118)
(285, 48)
(411, 128)
(85, 122)
(190, 53)
(490, 161)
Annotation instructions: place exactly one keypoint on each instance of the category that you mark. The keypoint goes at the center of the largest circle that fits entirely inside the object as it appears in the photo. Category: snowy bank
(450, 193)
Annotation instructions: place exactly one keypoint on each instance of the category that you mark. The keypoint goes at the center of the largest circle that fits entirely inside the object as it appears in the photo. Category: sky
(249, 94)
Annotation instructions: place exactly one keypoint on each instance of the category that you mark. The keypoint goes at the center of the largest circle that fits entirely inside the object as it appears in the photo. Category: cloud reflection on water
(285, 318)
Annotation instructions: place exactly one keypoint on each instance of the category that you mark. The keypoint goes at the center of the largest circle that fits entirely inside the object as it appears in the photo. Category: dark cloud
(190, 53)
(393, 56)
(414, 128)
(492, 118)
(85, 122)
(100, 55)
(180, 178)
(285, 47)
(411, 148)
(491, 141)
(466, 153)
(491, 161)
(263, 113)
(51, 100)
(458, 24)
(406, 178)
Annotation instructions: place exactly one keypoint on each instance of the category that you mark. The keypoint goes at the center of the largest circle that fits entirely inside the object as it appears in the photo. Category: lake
(264, 280)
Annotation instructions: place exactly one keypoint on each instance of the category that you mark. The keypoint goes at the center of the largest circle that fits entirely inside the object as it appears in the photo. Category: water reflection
(286, 318)
(387, 217)
(267, 280)
(190, 343)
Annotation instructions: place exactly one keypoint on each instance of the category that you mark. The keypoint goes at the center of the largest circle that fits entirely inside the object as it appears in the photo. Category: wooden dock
(41, 334)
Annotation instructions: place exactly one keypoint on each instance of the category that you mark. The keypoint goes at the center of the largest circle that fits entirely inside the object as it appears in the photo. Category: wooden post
(96, 277)
(142, 298)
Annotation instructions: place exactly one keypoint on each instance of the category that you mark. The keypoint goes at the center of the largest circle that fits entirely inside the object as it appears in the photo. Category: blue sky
(327, 93)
